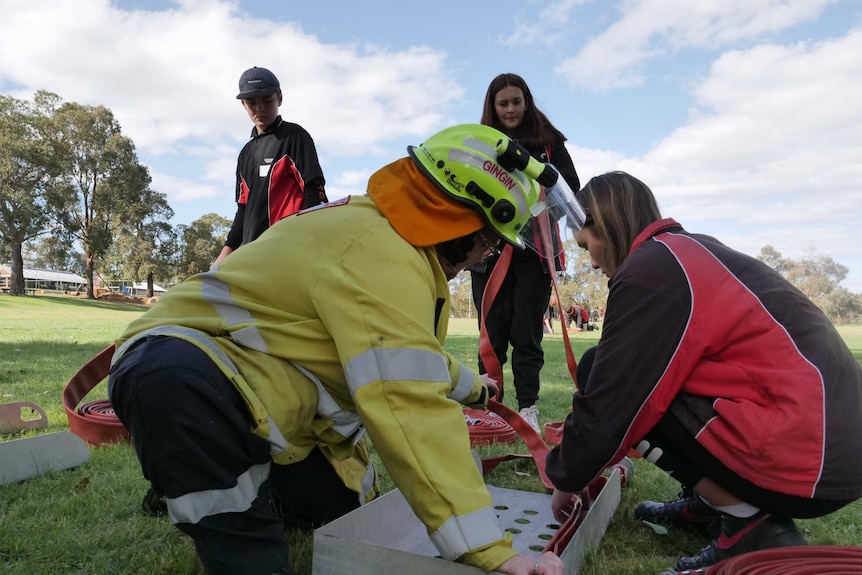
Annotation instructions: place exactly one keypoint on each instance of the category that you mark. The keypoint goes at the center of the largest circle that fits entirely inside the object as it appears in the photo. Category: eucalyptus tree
(144, 248)
(818, 276)
(25, 167)
(101, 187)
(200, 243)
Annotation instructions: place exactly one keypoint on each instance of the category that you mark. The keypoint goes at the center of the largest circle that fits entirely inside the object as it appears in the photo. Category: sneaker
(152, 504)
(687, 511)
(742, 535)
(531, 416)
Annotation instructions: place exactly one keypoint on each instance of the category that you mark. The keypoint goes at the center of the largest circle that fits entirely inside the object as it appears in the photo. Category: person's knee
(585, 365)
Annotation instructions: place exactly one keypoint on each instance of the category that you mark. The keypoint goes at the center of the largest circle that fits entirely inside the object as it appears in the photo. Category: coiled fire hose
(94, 422)
(799, 560)
(486, 427)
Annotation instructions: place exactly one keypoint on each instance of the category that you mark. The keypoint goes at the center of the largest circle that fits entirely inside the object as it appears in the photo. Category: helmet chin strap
(448, 269)
(452, 253)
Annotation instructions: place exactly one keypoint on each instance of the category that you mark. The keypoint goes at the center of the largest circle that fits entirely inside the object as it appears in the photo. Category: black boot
(687, 511)
(744, 534)
(152, 504)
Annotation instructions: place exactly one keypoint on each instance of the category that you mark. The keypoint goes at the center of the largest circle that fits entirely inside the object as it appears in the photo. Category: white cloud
(189, 190)
(591, 162)
(649, 28)
(772, 119)
(549, 27)
(771, 152)
(170, 78)
(346, 183)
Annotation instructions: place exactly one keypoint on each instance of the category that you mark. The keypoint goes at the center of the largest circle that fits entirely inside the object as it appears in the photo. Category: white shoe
(531, 416)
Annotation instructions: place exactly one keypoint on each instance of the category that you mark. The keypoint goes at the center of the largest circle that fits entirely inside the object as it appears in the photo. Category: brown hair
(618, 207)
(536, 130)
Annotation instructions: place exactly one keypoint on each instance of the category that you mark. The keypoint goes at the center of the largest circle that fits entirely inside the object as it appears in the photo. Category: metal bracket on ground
(385, 536)
(17, 416)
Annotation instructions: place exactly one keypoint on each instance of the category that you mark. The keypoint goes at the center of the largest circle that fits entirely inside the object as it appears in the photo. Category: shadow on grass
(84, 302)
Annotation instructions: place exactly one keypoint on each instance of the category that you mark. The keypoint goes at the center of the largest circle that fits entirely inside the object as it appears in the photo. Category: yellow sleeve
(381, 304)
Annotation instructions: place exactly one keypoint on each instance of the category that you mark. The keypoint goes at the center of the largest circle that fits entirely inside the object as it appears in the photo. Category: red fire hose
(94, 422)
(486, 427)
(800, 560)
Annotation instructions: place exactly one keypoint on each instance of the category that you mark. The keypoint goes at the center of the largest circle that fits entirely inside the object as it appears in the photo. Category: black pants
(516, 317)
(191, 432)
(689, 462)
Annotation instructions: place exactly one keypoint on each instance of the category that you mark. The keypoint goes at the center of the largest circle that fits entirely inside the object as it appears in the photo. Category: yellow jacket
(331, 314)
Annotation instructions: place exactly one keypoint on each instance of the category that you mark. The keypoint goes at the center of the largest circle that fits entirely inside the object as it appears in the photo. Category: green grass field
(87, 520)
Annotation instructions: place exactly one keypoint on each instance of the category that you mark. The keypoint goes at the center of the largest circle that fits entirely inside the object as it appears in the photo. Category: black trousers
(516, 317)
(191, 432)
(689, 462)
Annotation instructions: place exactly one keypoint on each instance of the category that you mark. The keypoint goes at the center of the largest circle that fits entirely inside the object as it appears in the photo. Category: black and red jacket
(748, 364)
(277, 174)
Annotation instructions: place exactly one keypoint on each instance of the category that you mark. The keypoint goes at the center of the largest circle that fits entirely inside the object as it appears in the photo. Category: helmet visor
(563, 209)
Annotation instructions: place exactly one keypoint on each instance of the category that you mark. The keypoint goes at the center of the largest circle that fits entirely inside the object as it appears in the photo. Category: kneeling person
(248, 389)
(746, 393)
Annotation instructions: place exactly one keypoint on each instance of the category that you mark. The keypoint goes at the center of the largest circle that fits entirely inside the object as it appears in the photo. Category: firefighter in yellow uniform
(248, 390)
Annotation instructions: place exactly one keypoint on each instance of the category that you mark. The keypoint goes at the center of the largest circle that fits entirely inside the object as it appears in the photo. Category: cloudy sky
(743, 116)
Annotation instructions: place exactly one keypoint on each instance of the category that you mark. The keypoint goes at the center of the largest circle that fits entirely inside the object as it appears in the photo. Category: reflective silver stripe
(481, 146)
(460, 534)
(395, 365)
(249, 337)
(464, 385)
(192, 507)
(345, 422)
(217, 293)
(491, 152)
(477, 161)
(368, 485)
(277, 441)
(183, 332)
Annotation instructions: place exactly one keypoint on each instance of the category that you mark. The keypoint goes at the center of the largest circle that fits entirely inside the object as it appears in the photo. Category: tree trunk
(88, 274)
(16, 280)
(150, 285)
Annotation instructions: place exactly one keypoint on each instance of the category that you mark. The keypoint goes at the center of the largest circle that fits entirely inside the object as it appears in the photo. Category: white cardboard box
(386, 537)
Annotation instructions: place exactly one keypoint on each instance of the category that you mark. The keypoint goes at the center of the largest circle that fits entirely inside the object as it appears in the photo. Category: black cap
(256, 82)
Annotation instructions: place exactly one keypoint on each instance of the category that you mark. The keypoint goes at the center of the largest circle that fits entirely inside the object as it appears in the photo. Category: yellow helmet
(463, 161)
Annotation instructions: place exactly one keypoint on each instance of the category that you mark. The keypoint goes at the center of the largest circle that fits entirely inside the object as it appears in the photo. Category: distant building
(139, 289)
(39, 279)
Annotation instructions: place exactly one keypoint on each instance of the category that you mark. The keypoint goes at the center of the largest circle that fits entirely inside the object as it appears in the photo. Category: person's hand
(225, 252)
(546, 564)
(491, 384)
(562, 505)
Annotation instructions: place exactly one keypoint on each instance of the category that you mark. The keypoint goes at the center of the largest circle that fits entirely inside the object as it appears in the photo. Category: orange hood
(419, 211)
